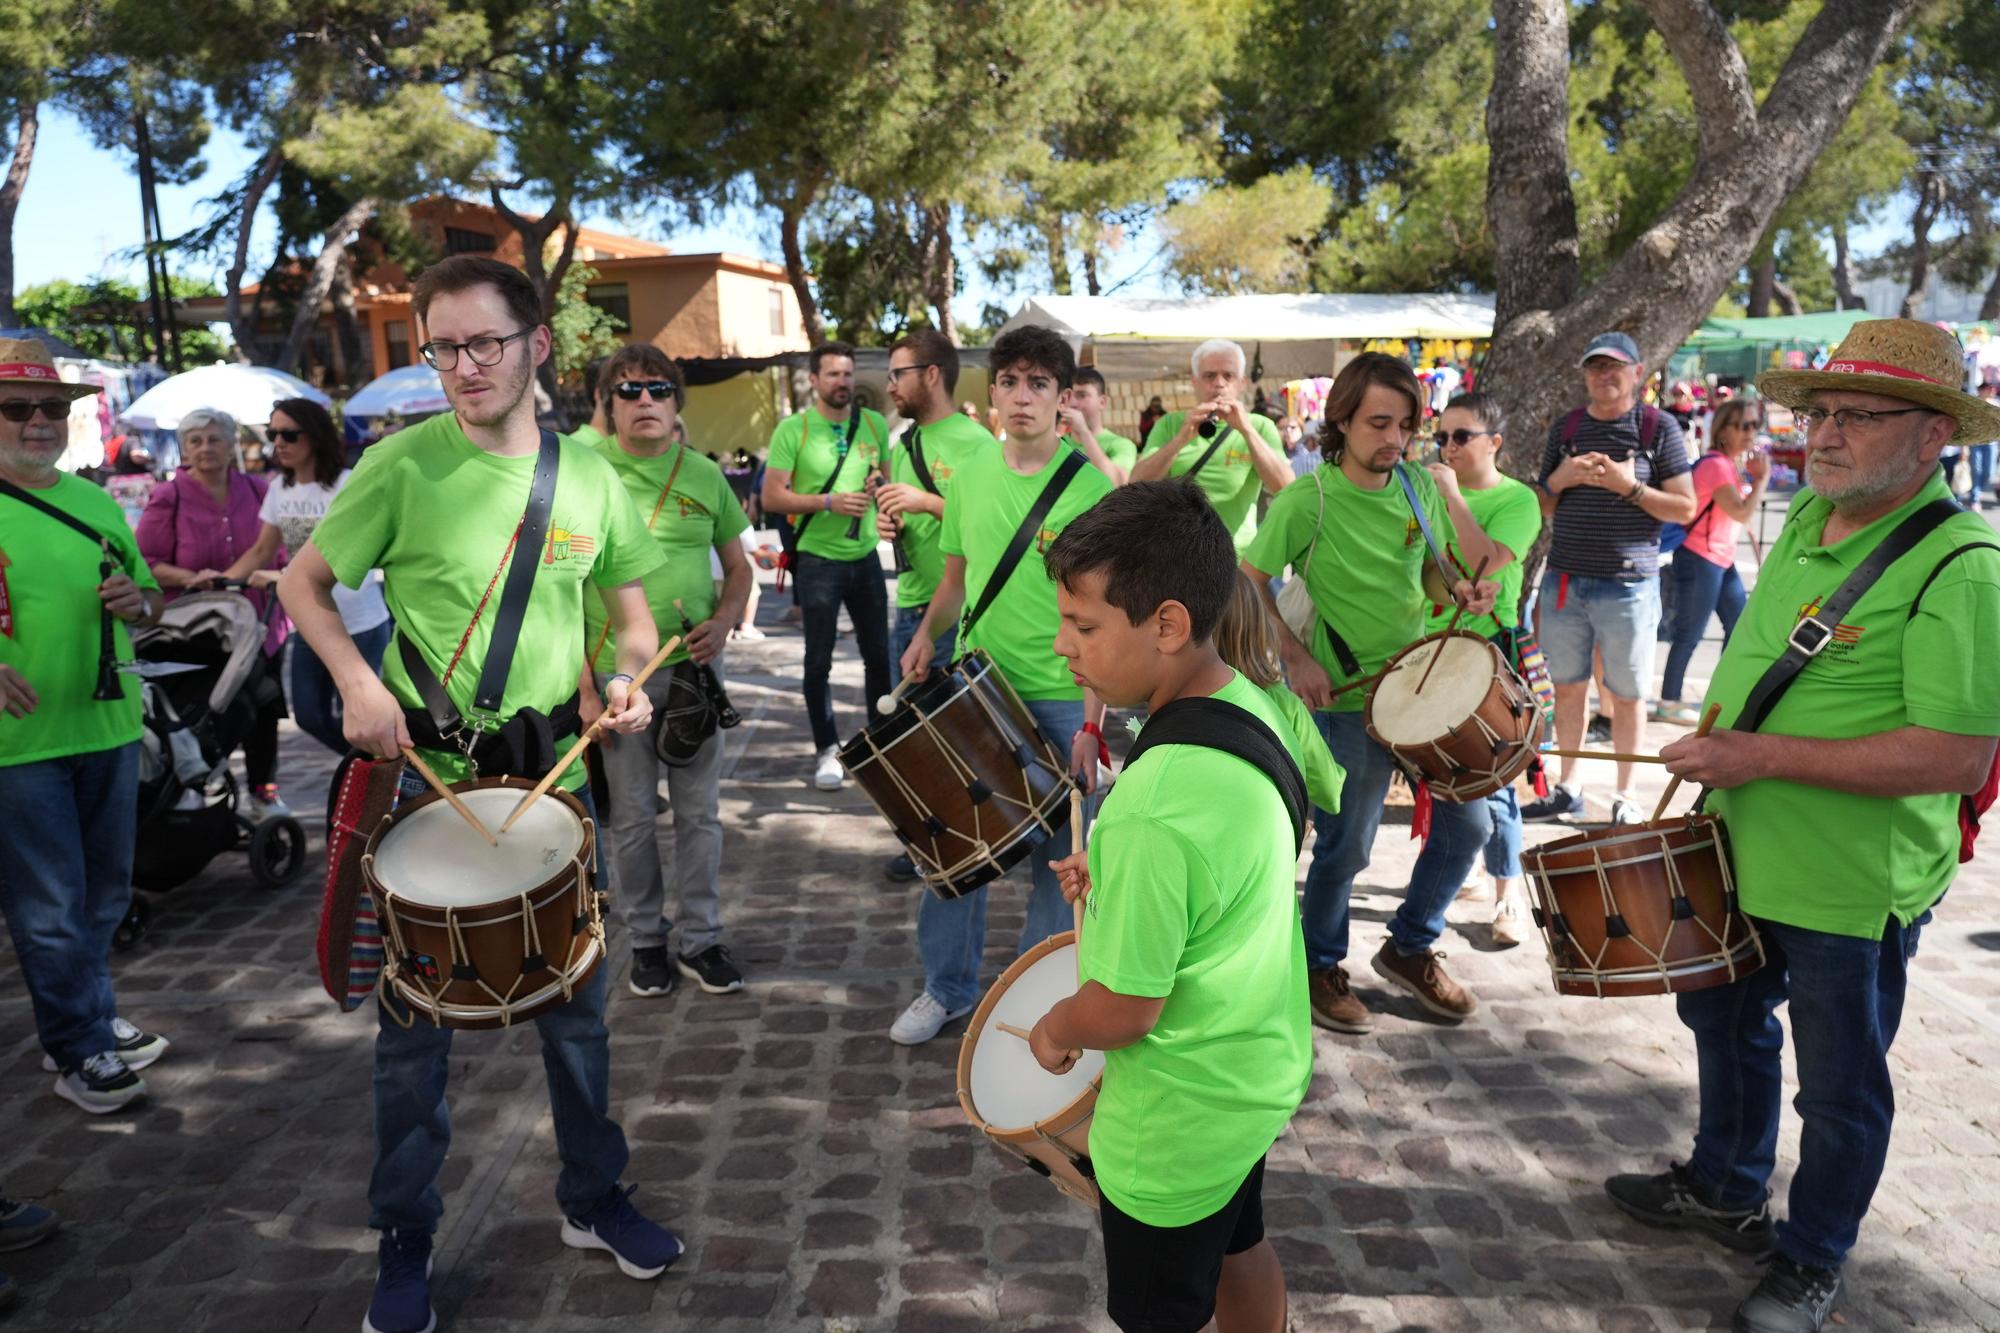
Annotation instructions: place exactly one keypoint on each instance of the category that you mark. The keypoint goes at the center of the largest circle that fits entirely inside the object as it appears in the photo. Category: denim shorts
(1617, 617)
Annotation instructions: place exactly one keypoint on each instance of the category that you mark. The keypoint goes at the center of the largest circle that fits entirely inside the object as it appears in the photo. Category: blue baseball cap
(1617, 346)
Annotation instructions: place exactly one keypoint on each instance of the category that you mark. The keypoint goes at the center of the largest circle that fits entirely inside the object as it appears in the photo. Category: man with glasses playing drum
(1860, 712)
(439, 508)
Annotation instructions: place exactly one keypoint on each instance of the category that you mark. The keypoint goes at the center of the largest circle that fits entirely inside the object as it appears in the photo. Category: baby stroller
(190, 805)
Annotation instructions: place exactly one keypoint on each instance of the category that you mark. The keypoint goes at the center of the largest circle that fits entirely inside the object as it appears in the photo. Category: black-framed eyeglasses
(286, 436)
(898, 372)
(1460, 437)
(486, 351)
(1847, 418)
(54, 409)
(630, 390)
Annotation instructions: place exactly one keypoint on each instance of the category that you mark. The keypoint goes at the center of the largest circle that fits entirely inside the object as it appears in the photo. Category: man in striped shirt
(1613, 471)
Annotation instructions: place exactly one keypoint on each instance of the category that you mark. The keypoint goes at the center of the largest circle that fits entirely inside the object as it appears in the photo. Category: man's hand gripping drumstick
(632, 692)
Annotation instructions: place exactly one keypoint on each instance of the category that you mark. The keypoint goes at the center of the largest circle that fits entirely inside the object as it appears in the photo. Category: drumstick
(1601, 754)
(1707, 721)
(1450, 625)
(437, 785)
(1013, 1031)
(887, 703)
(589, 734)
(1076, 849)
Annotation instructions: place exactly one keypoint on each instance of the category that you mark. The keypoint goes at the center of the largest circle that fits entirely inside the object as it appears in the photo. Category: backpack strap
(1949, 556)
(1649, 426)
(1220, 725)
(1072, 461)
(1570, 426)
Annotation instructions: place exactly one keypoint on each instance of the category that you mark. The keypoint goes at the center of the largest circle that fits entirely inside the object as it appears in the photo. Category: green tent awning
(1826, 329)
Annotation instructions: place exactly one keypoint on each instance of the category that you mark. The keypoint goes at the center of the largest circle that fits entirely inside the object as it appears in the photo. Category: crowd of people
(1095, 572)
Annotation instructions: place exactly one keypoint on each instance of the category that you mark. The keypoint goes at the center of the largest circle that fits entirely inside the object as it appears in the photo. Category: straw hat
(1898, 358)
(24, 361)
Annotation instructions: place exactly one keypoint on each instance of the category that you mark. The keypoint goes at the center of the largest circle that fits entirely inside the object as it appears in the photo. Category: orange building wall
(745, 302)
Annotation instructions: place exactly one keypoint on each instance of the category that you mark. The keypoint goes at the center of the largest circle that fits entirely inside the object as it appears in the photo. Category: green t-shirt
(700, 516)
(1192, 872)
(1365, 575)
(1324, 777)
(590, 435)
(436, 513)
(987, 503)
(1510, 514)
(50, 575)
(945, 442)
(1119, 450)
(1829, 860)
(1228, 480)
(811, 462)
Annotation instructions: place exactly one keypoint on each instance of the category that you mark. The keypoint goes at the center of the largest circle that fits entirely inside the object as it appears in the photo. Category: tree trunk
(1763, 279)
(1786, 298)
(319, 280)
(1090, 271)
(795, 270)
(1056, 237)
(1930, 201)
(353, 358)
(1749, 160)
(243, 328)
(1843, 272)
(26, 127)
(941, 272)
(534, 261)
(1989, 309)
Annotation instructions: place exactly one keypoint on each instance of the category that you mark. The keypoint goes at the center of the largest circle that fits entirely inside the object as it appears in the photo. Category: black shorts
(1162, 1279)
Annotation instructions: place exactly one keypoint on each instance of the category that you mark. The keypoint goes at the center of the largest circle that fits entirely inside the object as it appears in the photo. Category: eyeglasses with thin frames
(486, 351)
(1846, 419)
(898, 372)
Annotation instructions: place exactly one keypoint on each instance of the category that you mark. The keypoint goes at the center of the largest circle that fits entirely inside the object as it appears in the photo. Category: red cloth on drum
(1420, 818)
(349, 944)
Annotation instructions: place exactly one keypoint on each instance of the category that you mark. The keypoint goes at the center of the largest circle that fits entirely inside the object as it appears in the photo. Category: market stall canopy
(1300, 317)
(244, 392)
(411, 391)
(1825, 328)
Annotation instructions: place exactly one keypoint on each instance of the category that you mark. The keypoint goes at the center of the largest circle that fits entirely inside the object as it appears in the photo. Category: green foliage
(105, 317)
(411, 143)
(582, 332)
(1246, 238)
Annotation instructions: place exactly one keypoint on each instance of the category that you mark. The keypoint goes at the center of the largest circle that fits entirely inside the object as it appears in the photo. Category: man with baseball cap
(1612, 472)
(1859, 708)
(71, 582)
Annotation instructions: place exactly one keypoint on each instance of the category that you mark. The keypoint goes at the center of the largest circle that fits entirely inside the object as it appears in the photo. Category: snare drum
(1472, 730)
(1041, 1118)
(1642, 910)
(478, 936)
(962, 776)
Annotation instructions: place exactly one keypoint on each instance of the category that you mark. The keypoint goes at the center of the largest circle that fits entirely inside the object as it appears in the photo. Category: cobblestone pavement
(1437, 1177)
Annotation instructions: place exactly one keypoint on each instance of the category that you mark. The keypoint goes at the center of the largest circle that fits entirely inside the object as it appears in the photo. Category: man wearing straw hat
(1843, 795)
(69, 755)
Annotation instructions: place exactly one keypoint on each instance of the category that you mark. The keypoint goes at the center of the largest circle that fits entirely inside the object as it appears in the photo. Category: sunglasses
(287, 436)
(630, 390)
(1460, 437)
(55, 409)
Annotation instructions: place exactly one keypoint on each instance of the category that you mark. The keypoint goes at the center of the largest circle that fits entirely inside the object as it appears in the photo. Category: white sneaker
(829, 776)
(137, 1049)
(1625, 810)
(100, 1084)
(262, 809)
(1507, 923)
(922, 1020)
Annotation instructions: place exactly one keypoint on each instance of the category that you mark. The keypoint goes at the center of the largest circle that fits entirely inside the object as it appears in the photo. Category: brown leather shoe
(1423, 976)
(1334, 1005)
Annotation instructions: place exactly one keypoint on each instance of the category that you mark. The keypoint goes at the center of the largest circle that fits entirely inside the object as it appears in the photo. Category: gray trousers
(636, 861)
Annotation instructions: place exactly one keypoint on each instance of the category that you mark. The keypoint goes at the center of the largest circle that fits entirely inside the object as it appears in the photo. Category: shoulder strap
(922, 469)
(520, 577)
(1815, 631)
(1571, 425)
(1949, 556)
(1221, 725)
(62, 516)
(1209, 452)
(1649, 426)
(839, 460)
(1017, 546)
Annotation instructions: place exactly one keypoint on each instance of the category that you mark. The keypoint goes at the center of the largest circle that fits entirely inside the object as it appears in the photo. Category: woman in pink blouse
(194, 527)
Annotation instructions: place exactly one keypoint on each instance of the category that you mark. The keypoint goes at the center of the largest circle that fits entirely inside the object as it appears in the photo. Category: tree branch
(319, 280)
(1528, 193)
(1708, 58)
(26, 128)
(245, 330)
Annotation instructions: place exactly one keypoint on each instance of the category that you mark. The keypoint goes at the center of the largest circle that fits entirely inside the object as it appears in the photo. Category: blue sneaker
(402, 1300)
(10, 1291)
(24, 1224)
(643, 1249)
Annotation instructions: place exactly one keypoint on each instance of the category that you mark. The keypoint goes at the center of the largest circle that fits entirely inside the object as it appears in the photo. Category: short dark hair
(932, 348)
(825, 350)
(1154, 542)
(329, 455)
(461, 273)
(1090, 375)
(1037, 347)
(1483, 406)
(641, 359)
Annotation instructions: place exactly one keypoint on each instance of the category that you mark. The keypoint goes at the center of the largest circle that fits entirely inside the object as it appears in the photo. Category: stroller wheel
(277, 852)
(133, 928)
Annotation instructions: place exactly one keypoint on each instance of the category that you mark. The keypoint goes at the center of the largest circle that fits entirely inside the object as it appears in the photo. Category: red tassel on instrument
(1420, 819)
(1538, 776)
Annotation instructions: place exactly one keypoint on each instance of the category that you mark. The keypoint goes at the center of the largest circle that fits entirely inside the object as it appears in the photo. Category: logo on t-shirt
(1411, 531)
(1043, 538)
(1233, 455)
(1844, 636)
(690, 506)
(562, 544)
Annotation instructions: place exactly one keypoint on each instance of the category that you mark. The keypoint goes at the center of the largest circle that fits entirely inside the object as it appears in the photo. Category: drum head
(1453, 693)
(1009, 1089)
(429, 856)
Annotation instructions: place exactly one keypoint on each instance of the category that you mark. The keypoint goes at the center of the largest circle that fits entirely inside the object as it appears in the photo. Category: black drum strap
(520, 578)
(1221, 725)
(1070, 464)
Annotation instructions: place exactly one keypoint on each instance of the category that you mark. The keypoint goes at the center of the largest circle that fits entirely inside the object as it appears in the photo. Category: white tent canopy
(244, 392)
(1301, 317)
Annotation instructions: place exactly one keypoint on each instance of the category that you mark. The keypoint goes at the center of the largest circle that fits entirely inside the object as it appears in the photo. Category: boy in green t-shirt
(991, 498)
(820, 474)
(1192, 969)
(1083, 421)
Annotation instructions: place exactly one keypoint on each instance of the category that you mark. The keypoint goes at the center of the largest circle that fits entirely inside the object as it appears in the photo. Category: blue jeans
(1701, 589)
(1981, 456)
(1847, 1000)
(1618, 616)
(1343, 843)
(904, 633)
(1503, 844)
(310, 689)
(65, 884)
(822, 587)
(413, 1124)
(951, 933)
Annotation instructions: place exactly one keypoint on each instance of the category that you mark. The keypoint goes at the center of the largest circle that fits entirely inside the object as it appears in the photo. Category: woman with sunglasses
(197, 527)
(309, 455)
(1704, 571)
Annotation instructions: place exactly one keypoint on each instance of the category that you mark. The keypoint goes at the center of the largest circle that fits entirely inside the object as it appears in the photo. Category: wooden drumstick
(1614, 755)
(1013, 1031)
(1707, 721)
(1076, 849)
(1450, 625)
(887, 703)
(437, 785)
(589, 734)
